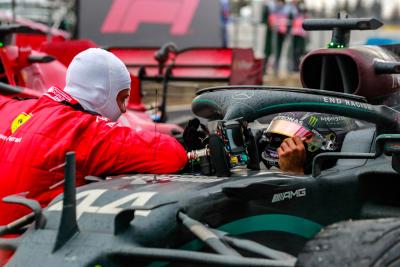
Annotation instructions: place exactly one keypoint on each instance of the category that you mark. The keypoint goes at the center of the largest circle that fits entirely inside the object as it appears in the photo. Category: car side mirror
(390, 145)
(40, 59)
(385, 143)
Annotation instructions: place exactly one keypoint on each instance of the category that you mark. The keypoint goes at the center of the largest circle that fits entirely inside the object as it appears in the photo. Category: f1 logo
(125, 16)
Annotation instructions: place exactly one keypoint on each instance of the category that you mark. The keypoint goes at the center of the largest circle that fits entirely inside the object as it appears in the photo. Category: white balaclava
(95, 77)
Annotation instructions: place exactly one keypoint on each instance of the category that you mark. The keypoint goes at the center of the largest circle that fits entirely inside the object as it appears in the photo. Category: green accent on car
(302, 104)
(273, 222)
(205, 101)
(335, 45)
(268, 222)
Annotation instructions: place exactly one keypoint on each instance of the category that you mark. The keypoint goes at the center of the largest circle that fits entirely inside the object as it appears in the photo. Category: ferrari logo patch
(19, 120)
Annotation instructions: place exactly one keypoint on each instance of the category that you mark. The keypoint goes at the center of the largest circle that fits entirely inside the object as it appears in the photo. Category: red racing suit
(35, 135)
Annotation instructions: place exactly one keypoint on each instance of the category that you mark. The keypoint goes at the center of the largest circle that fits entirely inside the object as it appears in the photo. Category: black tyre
(354, 243)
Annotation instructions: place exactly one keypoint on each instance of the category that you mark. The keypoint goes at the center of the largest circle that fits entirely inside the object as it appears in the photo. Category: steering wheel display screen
(235, 139)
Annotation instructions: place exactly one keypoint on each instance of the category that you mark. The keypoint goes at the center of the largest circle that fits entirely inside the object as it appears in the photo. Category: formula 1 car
(235, 212)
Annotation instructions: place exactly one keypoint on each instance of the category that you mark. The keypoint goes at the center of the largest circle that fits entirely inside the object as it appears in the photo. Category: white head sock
(95, 77)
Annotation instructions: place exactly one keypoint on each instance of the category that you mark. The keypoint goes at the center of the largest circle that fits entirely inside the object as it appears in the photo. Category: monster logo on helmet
(312, 120)
(319, 132)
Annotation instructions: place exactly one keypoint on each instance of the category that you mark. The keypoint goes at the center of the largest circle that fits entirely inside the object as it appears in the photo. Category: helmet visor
(286, 128)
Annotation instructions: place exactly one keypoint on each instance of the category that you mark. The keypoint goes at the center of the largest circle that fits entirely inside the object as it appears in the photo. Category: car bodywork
(274, 209)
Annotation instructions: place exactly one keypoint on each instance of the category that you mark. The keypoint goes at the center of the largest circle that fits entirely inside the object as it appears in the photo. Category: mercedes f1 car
(234, 211)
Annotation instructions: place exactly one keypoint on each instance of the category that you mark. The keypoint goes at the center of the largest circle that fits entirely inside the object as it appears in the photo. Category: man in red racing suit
(35, 135)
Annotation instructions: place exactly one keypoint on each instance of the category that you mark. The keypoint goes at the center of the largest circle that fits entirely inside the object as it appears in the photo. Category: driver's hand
(292, 155)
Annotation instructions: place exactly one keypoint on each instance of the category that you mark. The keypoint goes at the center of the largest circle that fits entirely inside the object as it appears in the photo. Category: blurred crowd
(273, 27)
(283, 21)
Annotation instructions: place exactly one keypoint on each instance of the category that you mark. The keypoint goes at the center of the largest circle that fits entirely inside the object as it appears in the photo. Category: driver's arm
(292, 155)
(118, 150)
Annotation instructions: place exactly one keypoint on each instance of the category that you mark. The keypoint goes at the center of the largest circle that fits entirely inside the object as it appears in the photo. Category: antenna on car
(167, 52)
(341, 28)
(68, 225)
(155, 132)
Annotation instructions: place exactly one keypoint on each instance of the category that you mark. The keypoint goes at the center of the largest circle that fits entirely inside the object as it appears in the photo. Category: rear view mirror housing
(388, 144)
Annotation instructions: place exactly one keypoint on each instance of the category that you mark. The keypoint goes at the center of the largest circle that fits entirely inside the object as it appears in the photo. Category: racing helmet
(319, 132)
